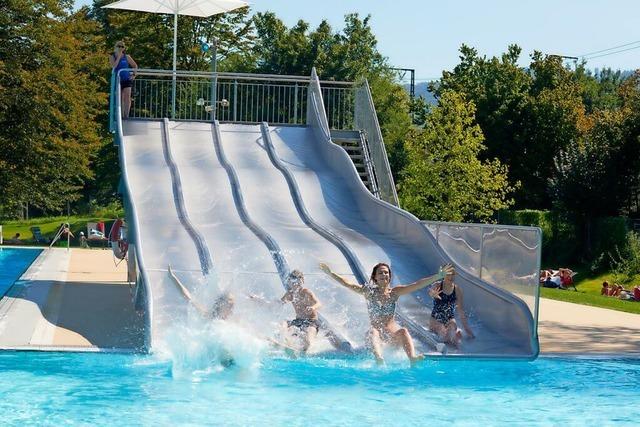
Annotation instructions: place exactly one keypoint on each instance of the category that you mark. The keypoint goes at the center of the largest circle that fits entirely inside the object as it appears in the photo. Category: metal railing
(235, 97)
(506, 256)
(257, 98)
(366, 120)
(368, 165)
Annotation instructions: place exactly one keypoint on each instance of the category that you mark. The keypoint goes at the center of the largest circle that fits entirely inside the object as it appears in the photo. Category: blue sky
(425, 35)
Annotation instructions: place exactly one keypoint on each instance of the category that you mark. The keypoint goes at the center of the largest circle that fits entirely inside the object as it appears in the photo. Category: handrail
(373, 132)
(176, 183)
(134, 216)
(368, 164)
(238, 76)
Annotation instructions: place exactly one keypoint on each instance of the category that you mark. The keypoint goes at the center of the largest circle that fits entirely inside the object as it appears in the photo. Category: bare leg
(308, 335)
(402, 337)
(453, 334)
(437, 328)
(374, 341)
(126, 102)
(336, 343)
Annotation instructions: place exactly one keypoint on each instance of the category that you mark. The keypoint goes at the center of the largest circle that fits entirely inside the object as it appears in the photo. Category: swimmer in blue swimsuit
(447, 297)
(381, 304)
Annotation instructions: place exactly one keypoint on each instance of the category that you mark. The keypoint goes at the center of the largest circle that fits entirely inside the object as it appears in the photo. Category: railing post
(295, 104)
(235, 100)
(481, 251)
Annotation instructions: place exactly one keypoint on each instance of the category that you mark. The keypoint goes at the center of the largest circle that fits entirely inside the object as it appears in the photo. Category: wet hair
(375, 271)
(223, 302)
(605, 284)
(296, 274)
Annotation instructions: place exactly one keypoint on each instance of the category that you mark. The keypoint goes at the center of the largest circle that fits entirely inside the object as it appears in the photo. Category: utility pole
(574, 58)
(412, 84)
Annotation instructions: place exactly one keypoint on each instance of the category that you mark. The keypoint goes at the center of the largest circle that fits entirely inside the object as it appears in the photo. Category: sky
(426, 35)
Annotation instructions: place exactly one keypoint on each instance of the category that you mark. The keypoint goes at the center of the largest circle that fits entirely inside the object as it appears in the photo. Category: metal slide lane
(423, 336)
(273, 246)
(336, 198)
(272, 208)
(162, 238)
(242, 263)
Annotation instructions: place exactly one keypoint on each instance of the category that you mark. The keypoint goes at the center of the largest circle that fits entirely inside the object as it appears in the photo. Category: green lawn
(589, 293)
(49, 227)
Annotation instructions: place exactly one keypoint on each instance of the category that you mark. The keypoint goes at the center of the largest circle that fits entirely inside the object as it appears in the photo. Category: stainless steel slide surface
(236, 199)
(336, 198)
(269, 203)
(163, 239)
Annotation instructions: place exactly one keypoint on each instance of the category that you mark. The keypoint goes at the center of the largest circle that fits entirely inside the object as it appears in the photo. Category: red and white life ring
(118, 242)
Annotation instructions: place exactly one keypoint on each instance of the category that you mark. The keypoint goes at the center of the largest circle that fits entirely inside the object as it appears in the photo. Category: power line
(605, 50)
(613, 53)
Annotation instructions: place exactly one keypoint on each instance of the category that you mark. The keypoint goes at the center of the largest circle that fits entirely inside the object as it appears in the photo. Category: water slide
(235, 207)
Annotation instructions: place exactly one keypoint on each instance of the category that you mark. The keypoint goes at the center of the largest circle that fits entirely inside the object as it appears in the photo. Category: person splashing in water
(381, 304)
(222, 308)
(306, 324)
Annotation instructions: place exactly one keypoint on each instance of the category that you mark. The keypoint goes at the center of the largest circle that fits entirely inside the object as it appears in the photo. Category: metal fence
(504, 255)
(233, 97)
(366, 120)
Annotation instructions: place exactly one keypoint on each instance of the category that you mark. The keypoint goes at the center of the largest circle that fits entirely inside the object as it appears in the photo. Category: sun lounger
(37, 235)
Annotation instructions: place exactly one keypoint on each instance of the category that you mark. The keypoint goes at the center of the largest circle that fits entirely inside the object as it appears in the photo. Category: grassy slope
(589, 293)
(49, 226)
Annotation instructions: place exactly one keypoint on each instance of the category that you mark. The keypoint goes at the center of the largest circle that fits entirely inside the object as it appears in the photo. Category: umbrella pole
(175, 49)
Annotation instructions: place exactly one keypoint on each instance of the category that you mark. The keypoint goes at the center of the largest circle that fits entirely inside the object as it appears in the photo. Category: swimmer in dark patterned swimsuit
(447, 296)
(381, 305)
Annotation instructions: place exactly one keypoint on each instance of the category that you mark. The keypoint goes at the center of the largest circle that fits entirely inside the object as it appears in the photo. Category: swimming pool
(13, 263)
(112, 389)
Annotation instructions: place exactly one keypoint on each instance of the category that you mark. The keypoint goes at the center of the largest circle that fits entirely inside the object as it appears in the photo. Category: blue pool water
(14, 262)
(108, 389)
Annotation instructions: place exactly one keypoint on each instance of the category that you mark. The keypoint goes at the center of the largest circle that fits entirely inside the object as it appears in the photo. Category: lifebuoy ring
(119, 245)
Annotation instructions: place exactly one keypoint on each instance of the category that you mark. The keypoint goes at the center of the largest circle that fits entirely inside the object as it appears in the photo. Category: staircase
(355, 144)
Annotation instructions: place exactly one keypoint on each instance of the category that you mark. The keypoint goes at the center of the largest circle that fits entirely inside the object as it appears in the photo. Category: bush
(563, 242)
(626, 262)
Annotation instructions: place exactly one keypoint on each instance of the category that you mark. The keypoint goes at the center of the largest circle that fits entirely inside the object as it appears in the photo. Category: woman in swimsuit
(381, 304)
(119, 60)
(447, 296)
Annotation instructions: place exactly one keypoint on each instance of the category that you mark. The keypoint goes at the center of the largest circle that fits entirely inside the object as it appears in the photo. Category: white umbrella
(201, 8)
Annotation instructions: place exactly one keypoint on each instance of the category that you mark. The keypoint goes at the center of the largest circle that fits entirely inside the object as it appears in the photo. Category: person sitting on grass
(15, 240)
(605, 289)
(566, 278)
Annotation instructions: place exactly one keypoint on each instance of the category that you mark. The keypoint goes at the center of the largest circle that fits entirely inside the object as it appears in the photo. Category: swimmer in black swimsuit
(447, 296)
(381, 304)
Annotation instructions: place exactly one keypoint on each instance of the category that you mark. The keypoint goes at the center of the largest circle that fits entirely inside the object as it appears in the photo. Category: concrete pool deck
(71, 300)
(78, 300)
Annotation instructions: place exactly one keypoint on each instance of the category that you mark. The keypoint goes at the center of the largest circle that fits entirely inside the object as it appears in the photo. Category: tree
(49, 100)
(444, 178)
(149, 36)
(526, 115)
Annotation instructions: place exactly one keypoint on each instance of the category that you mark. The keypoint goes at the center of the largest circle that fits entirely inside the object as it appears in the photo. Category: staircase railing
(367, 121)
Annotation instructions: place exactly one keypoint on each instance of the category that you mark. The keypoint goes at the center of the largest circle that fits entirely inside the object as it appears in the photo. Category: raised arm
(114, 59)
(356, 288)
(185, 292)
(461, 313)
(424, 282)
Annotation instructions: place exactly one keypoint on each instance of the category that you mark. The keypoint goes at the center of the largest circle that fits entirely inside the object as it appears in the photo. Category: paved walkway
(580, 329)
(74, 299)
